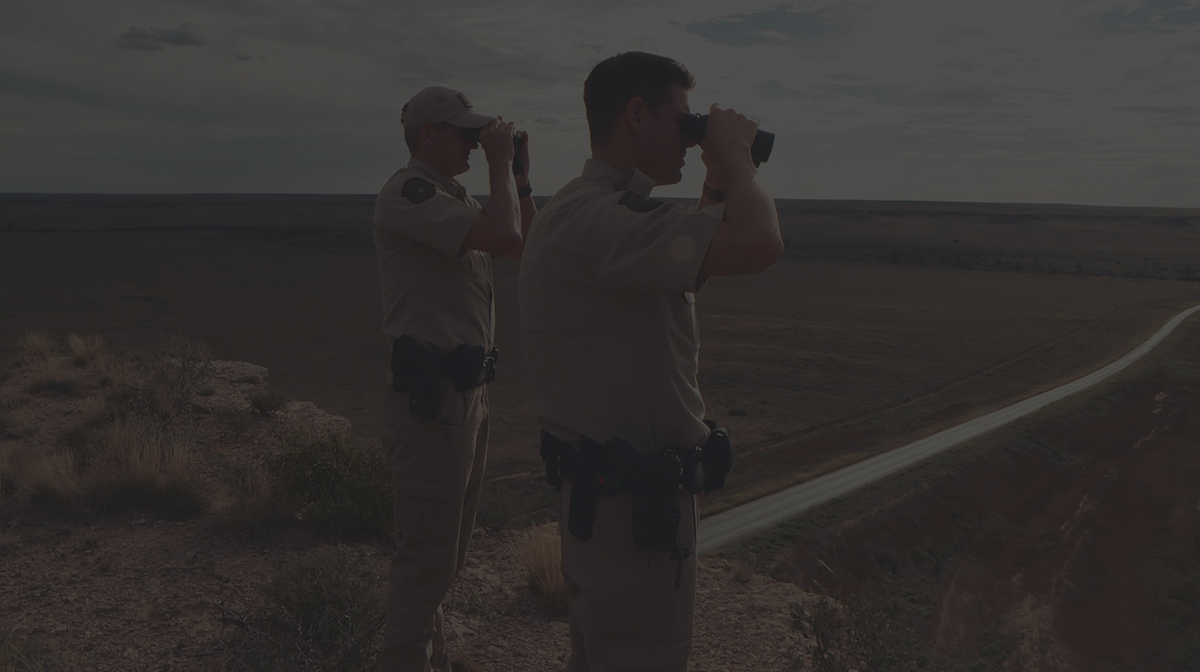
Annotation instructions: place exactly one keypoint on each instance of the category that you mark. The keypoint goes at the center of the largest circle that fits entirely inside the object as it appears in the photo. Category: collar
(451, 185)
(635, 180)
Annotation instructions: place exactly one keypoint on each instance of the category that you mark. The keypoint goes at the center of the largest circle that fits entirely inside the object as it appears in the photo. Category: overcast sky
(1065, 101)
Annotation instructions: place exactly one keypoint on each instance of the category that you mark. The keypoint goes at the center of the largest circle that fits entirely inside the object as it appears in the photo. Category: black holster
(419, 371)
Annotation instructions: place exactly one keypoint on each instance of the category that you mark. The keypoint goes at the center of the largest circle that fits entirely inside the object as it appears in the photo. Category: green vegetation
(321, 612)
(336, 486)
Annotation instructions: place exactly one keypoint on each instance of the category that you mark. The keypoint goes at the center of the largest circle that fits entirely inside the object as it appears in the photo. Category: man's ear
(426, 132)
(636, 114)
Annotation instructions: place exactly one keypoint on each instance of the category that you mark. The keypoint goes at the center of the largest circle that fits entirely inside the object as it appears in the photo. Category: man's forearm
(502, 205)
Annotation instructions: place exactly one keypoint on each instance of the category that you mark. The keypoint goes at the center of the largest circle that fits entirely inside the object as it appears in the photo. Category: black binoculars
(693, 126)
(472, 135)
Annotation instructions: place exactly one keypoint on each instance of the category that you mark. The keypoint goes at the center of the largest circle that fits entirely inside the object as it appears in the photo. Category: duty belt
(654, 480)
(419, 370)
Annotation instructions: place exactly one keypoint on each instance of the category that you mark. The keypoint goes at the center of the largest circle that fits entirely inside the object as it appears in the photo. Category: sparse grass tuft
(541, 553)
(113, 371)
(336, 486)
(322, 612)
(258, 504)
(84, 349)
(37, 346)
(138, 464)
(267, 403)
(53, 481)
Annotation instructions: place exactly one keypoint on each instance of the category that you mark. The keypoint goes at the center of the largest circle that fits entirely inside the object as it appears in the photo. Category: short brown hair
(617, 80)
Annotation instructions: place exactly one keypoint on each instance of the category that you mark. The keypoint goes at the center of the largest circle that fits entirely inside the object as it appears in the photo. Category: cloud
(243, 57)
(1159, 16)
(156, 39)
(1175, 116)
(776, 26)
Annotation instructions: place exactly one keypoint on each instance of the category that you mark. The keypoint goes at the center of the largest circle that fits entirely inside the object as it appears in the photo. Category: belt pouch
(466, 367)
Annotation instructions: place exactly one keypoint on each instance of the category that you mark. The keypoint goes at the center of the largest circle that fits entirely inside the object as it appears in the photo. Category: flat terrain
(1067, 542)
(881, 321)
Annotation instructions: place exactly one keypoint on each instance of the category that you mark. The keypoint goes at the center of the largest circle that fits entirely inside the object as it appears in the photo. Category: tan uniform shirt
(608, 319)
(432, 289)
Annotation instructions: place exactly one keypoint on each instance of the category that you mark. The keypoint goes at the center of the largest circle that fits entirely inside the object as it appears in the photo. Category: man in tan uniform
(608, 324)
(435, 245)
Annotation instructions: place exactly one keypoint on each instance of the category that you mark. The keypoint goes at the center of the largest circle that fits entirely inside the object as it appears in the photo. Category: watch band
(524, 191)
(714, 195)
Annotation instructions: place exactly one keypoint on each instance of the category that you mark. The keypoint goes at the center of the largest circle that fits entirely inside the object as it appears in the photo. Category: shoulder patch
(638, 203)
(417, 190)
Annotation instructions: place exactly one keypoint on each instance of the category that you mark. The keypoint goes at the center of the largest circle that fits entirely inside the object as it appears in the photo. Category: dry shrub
(541, 552)
(84, 349)
(95, 410)
(136, 463)
(53, 480)
(112, 371)
(37, 346)
(259, 503)
(176, 375)
(322, 613)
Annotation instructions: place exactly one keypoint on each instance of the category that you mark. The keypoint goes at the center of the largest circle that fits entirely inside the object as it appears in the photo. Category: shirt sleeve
(655, 250)
(441, 221)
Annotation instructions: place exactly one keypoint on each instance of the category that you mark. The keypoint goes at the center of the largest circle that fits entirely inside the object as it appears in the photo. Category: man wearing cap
(607, 284)
(435, 245)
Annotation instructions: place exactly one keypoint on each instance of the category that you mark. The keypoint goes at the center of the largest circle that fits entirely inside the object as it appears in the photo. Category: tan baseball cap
(436, 104)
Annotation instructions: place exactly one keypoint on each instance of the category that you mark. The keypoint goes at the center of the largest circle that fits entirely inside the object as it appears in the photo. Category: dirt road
(742, 521)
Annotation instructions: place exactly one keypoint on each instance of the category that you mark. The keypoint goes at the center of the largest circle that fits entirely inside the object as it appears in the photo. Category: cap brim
(470, 120)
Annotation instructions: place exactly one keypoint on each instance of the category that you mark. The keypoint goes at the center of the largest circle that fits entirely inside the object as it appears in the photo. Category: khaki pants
(625, 611)
(437, 468)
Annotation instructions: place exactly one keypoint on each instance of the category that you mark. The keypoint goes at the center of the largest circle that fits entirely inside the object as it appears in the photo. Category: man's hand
(726, 144)
(497, 141)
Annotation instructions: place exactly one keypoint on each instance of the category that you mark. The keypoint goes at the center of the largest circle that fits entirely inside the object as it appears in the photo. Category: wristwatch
(524, 191)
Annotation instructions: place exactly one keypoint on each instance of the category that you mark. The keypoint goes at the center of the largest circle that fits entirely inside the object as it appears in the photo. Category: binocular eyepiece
(472, 135)
(693, 126)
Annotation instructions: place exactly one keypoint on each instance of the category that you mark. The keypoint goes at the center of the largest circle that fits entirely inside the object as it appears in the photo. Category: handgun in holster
(655, 485)
(417, 370)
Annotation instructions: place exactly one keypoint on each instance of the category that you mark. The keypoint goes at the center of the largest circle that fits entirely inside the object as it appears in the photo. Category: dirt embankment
(1067, 542)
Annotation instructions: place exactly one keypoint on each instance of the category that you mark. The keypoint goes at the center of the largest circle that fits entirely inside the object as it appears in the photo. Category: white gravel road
(742, 521)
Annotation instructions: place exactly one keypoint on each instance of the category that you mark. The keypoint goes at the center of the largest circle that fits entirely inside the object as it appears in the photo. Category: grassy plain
(881, 322)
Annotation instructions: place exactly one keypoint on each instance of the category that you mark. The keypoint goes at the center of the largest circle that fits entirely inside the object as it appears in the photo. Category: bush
(84, 349)
(321, 612)
(541, 552)
(138, 464)
(53, 481)
(258, 504)
(37, 346)
(266, 403)
(181, 368)
(336, 487)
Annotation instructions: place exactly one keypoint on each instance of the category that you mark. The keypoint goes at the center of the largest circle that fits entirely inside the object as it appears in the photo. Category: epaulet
(639, 203)
(418, 190)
